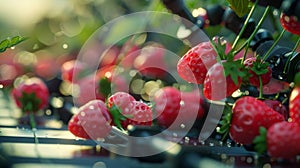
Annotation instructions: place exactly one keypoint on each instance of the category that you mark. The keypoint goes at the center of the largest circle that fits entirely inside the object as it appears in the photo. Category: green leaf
(225, 121)
(105, 87)
(260, 141)
(234, 70)
(4, 45)
(7, 43)
(241, 7)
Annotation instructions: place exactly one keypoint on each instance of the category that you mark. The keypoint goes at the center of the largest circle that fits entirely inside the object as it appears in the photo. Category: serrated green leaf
(240, 7)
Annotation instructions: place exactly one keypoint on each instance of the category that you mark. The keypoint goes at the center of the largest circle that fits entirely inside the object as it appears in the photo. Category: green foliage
(260, 141)
(241, 7)
(225, 121)
(7, 43)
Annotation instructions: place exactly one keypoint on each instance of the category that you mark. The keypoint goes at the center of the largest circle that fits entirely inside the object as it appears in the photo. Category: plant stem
(290, 56)
(260, 87)
(273, 45)
(244, 26)
(247, 43)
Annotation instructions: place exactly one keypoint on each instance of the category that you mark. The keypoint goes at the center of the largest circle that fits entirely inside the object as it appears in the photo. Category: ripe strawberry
(93, 121)
(290, 23)
(170, 102)
(283, 140)
(167, 105)
(151, 61)
(194, 65)
(257, 68)
(294, 102)
(125, 110)
(139, 114)
(121, 100)
(279, 107)
(31, 95)
(248, 114)
(216, 85)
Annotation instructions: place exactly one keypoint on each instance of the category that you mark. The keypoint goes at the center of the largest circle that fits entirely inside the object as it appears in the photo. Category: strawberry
(167, 105)
(290, 23)
(248, 114)
(170, 102)
(194, 65)
(283, 140)
(93, 121)
(217, 86)
(278, 106)
(31, 95)
(121, 100)
(139, 114)
(125, 110)
(257, 68)
(294, 101)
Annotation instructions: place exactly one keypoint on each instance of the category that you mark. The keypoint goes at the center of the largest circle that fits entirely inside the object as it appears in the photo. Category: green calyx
(225, 122)
(259, 67)
(117, 116)
(260, 141)
(29, 101)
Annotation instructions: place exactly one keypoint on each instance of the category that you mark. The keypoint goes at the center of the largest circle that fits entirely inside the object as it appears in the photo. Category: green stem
(273, 45)
(260, 88)
(290, 56)
(247, 43)
(244, 26)
(32, 120)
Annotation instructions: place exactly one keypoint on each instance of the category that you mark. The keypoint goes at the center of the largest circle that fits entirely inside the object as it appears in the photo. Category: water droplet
(228, 144)
(175, 134)
(181, 103)
(82, 114)
(211, 144)
(13, 47)
(65, 46)
(249, 160)
(182, 126)
(267, 165)
(186, 139)
(202, 142)
(91, 107)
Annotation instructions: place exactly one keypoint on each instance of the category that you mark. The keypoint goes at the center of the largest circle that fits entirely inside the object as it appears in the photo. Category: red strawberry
(193, 66)
(191, 102)
(248, 114)
(279, 107)
(256, 68)
(120, 100)
(290, 23)
(216, 85)
(169, 102)
(139, 114)
(283, 140)
(31, 95)
(167, 105)
(125, 110)
(92, 121)
(294, 104)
